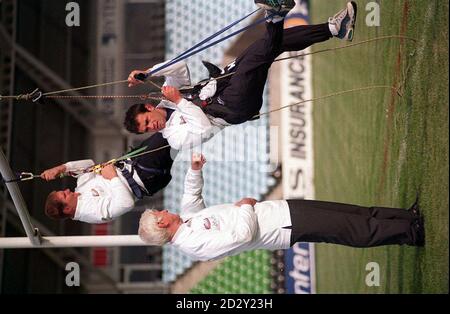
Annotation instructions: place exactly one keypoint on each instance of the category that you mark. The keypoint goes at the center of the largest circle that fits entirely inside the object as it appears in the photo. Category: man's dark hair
(130, 117)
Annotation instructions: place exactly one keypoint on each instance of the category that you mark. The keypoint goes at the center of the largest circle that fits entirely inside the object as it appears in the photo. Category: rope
(148, 152)
(319, 51)
(131, 155)
(84, 87)
(188, 53)
(142, 97)
(348, 46)
(134, 154)
(26, 176)
(291, 105)
(92, 86)
(138, 153)
(331, 95)
(28, 96)
(212, 44)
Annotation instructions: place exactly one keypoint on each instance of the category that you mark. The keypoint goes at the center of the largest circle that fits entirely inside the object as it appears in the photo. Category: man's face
(165, 218)
(68, 197)
(153, 120)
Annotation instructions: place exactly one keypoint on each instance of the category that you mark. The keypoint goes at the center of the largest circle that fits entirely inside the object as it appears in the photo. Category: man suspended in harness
(99, 198)
(186, 121)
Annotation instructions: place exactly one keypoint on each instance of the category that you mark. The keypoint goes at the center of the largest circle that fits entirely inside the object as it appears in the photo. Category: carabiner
(26, 176)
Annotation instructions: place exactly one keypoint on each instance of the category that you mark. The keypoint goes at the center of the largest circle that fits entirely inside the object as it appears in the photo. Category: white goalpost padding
(73, 241)
(7, 174)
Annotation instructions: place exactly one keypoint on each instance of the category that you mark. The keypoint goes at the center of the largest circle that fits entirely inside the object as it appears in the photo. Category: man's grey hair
(149, 231)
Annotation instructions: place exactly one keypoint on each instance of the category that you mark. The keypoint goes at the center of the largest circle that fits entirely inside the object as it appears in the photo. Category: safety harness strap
(137, 191)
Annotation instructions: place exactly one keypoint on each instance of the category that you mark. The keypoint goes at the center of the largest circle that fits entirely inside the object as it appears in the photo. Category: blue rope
(191, 51)
(222, 39)
(214, 35)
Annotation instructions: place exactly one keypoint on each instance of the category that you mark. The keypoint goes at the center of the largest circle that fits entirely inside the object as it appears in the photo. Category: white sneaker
(343, 22)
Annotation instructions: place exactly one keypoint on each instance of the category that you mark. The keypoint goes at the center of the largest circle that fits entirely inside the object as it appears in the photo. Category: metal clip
(35, 95)
(97, 169)
(26, 176)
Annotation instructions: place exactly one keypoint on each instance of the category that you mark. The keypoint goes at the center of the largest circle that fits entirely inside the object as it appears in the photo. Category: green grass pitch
(376, 148)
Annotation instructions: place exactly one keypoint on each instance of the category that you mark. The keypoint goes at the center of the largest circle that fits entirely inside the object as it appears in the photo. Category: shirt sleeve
(209, 90)
(192, 200)
(196, 130)
(77, 166)
(213, 245)
(176, 75)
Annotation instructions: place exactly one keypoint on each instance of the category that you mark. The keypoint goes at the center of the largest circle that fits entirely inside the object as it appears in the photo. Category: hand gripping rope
(27, 176)
(36, 95)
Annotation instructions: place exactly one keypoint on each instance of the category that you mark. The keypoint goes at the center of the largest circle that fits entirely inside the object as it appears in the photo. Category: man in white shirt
(237, 98)
(210, 233)
(98, 198)
(143, 176)
(182, 123)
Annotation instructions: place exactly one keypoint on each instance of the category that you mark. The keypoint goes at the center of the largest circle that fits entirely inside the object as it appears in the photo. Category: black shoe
(419, 228)
(213, 70)
(415, 209)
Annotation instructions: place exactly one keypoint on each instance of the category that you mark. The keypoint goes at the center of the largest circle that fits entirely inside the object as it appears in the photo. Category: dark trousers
(242, 96)
(351, 225)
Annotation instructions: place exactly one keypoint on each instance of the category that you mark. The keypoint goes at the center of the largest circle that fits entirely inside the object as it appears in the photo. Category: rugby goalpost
(35, 240)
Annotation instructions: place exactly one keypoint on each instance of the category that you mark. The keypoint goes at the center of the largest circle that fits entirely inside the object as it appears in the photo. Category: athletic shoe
(344, 21)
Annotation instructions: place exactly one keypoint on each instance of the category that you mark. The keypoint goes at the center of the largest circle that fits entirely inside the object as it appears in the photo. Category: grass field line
(400, 163)
(421, 43)
(392, 101)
